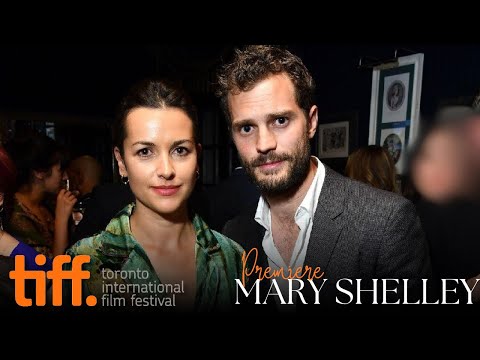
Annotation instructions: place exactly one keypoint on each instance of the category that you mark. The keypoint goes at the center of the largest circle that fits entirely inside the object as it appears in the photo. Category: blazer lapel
(327, 223)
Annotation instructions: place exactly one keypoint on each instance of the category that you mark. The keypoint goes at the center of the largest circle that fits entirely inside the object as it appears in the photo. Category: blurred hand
(65, 201)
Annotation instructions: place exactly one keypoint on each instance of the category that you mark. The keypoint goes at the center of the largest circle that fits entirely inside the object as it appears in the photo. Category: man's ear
(122, 169)
(312, 121)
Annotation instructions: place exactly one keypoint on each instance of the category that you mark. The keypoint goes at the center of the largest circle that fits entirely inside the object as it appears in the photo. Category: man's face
(272, 134)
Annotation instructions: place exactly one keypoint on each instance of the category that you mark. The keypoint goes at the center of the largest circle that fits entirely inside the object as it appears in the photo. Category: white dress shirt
(304, 219)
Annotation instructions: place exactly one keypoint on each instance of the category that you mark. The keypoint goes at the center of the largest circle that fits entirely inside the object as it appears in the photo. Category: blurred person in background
(38, 160)
(440, 167)
(10, 246)
(372, 165)
(85, 174)
(442, 170)
(7, 242)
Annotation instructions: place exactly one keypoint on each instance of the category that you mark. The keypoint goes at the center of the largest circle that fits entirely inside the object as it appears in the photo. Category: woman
(158, 242)
(372, 165)
(10, 246)
(39, 174)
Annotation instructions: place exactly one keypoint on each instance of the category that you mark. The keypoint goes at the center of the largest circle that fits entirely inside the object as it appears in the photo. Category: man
(308, 215)
(84, 172)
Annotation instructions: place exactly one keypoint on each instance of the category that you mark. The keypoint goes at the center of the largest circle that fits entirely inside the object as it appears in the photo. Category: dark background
(74, 89)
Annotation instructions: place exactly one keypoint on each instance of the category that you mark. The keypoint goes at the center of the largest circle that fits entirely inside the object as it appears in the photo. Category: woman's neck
(31, 195)
(167, 232)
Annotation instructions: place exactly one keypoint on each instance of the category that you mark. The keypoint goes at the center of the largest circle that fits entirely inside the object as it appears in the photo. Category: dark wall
(450, 75)
(89, 80)
(450, 72)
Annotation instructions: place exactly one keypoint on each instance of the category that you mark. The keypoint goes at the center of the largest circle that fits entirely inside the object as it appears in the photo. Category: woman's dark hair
(154, 94)
(33, 152)
(8, 172)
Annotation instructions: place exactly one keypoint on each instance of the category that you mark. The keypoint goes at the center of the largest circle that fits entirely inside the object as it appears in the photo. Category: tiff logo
(57, 275)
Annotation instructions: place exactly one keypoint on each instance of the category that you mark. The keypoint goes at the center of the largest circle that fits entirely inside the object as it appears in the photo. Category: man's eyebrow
(271, 116)
(286, 113)
(242, 123)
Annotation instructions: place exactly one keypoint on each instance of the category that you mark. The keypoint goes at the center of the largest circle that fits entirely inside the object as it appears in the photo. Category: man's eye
(281, 121)
(245, 129)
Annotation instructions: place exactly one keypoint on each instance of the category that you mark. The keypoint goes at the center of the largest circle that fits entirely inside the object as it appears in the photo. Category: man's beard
(297, 163)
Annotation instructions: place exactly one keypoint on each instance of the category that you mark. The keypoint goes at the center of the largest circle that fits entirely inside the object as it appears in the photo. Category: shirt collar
(309, 202)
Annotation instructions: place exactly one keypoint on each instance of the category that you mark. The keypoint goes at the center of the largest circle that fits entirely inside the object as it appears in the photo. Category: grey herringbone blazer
(359, 232)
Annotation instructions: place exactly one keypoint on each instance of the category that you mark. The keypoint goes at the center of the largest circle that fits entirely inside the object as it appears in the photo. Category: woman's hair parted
(255, 63)
(153, 94)
(372, 165)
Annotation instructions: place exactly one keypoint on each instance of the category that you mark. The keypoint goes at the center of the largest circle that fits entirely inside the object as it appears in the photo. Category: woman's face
(160, 159)
(53, 180)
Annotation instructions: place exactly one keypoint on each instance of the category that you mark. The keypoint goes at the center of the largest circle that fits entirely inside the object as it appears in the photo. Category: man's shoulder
(357, 193)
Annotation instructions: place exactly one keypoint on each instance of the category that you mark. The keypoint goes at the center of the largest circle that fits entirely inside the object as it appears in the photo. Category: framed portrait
(336, 138)
(337, 135)
(395, 106)
(333, 139)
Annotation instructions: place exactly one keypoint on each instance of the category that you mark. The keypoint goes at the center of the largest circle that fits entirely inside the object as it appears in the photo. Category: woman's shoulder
(227, 243)
(115, 240)
(87, 246)
(101, 242)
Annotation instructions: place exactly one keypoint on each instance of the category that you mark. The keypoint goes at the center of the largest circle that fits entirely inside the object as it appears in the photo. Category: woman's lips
(166, 190)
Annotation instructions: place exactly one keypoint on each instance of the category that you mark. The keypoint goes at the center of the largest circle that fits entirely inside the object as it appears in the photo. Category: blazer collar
(328, 222)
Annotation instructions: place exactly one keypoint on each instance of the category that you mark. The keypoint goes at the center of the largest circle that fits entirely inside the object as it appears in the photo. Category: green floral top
(117, 261)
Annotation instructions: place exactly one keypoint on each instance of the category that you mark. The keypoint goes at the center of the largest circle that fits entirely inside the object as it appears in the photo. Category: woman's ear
(199, 150)
(39, 175)
(122, 169)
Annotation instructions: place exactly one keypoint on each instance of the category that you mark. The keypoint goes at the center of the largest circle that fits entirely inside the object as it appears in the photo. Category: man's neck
(285, 205)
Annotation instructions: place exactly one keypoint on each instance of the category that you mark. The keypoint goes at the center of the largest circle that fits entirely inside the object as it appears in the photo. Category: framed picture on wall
(395, 106)
(333, 139)
(337, 135)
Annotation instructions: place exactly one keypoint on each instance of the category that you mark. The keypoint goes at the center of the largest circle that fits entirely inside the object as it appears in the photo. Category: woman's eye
(144, 152)
(182, 151)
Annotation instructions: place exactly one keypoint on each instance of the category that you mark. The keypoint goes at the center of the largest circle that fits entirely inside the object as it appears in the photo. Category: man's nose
(266, 140)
